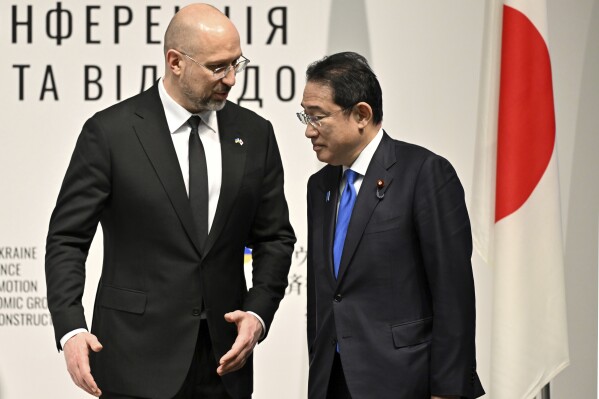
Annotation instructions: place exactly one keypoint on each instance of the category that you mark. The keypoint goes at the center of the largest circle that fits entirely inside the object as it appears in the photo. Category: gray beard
(212, 105)
(203, 104)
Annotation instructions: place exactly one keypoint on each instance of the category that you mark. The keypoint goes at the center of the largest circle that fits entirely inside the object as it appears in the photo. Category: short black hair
(351, 79)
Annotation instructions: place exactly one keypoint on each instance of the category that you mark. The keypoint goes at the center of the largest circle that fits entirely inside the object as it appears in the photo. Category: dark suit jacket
(124, 173)
(402, 308)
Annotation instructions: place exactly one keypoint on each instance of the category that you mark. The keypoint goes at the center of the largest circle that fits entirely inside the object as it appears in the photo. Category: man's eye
(216, 68)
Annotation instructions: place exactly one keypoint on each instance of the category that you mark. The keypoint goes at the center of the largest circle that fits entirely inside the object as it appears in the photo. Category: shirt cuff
(261, 322)
(69, 335)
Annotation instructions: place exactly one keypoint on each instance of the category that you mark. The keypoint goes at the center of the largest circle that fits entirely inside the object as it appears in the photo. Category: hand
(76, 354)
(249, 330)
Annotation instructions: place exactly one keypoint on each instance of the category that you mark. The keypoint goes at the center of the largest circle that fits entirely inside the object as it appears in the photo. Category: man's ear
(363, 114)
(173, 61)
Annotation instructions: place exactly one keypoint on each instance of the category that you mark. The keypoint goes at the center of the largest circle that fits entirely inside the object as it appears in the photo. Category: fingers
(235, 317)
(236, 357)
(248, 332)
(247, 323)
(76, 352)
(94, 344)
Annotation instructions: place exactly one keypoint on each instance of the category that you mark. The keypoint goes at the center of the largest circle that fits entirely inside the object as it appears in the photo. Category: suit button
(334, 341)
(338, 298)
(196, 312)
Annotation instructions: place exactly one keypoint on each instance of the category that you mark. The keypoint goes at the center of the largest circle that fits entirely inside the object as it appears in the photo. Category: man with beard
(181, 181)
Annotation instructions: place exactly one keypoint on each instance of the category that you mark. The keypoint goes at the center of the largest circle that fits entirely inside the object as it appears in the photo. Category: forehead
(220, 46)
(317, 96)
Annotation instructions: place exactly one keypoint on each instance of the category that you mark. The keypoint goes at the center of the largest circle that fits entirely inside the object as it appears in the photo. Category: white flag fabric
(524, 241)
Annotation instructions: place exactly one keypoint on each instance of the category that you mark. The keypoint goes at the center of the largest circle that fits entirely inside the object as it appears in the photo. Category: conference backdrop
(64, 60)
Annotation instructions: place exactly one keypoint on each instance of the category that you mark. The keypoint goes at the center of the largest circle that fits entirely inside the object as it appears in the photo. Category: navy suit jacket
(124, 174)
(402, 309)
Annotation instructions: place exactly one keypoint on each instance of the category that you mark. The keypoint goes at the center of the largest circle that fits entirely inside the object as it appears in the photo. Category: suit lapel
(382, 160)
(330, 188)
(233, 167)
(153, 133)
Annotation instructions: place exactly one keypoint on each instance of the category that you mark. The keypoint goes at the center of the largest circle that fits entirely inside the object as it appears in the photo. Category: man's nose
(310, 131)
(229, 78)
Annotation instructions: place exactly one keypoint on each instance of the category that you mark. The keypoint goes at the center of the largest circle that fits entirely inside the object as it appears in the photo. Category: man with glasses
(182, 181)
(391, 310)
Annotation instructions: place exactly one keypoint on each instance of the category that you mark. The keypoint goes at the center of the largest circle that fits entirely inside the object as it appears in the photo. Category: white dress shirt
(360, 165)
(176, 118)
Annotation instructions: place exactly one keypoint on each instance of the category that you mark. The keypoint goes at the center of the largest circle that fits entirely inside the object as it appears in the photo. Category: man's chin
(216, 105)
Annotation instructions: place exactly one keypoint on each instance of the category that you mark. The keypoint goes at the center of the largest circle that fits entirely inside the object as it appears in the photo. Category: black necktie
(198, 181)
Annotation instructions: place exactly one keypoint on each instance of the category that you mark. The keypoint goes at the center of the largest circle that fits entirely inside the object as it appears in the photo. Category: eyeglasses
(315, 120)
(220, 72)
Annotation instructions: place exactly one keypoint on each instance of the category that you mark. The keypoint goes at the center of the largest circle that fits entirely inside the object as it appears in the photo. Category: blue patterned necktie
(348, 199)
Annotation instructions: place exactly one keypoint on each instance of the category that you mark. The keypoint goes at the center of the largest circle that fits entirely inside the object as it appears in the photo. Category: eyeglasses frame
(222, 72)
(314, 121)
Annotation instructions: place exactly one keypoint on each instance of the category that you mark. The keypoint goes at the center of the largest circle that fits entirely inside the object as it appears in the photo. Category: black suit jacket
(402, 308)
(124, 173)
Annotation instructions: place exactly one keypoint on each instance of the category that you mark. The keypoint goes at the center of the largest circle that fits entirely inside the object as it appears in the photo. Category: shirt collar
(177, 116)
(361, 163)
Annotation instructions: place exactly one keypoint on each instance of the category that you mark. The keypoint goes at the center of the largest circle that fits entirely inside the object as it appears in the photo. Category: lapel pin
(238, 141)
(328, 196)
(380, 184)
